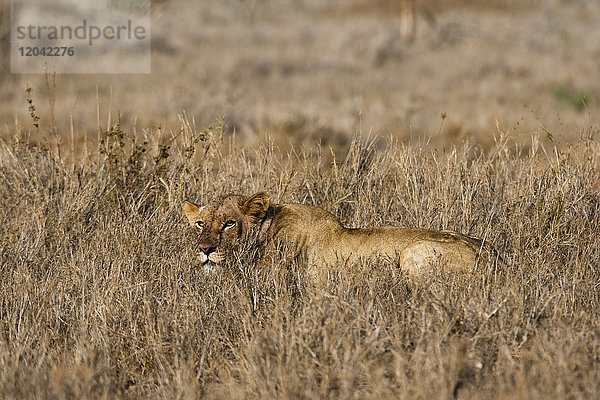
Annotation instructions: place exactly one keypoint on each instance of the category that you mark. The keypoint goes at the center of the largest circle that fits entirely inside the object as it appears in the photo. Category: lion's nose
(207, 249)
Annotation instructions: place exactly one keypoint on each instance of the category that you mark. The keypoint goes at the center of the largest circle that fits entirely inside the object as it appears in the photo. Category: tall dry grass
(310, 71)
(101, 296)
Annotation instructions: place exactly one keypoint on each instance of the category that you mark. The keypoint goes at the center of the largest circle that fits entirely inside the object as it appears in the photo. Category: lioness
(315, 233)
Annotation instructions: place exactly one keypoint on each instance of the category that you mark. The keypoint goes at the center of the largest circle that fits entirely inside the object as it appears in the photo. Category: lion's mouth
(210, 262)
(209, 267)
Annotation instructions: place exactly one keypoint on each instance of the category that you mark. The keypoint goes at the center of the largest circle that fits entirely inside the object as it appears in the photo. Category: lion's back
(319, 235)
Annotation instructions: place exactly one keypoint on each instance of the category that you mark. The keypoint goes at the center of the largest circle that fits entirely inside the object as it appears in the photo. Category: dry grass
(101, 297)
(4, 38)
(284, 68)
(100, 293)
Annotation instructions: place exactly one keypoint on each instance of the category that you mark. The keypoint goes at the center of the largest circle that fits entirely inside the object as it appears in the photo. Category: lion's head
(226, 223)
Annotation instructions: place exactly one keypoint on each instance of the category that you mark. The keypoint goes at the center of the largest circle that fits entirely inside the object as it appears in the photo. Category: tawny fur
(319, 236)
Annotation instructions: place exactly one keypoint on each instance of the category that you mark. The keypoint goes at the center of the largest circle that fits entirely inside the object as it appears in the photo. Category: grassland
(308, 71)
(101, 297)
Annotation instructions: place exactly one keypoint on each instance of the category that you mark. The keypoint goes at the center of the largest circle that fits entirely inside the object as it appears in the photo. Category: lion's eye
(199, 224)
(229, 224)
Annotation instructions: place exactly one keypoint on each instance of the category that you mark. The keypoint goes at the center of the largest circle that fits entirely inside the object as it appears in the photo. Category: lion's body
(318, 236)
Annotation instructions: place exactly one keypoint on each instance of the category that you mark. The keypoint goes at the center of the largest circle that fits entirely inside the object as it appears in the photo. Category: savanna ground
(100, 292)
(102, 297)
(309, 71)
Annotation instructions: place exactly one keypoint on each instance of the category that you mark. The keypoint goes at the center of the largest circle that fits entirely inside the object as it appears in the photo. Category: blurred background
(317, 72)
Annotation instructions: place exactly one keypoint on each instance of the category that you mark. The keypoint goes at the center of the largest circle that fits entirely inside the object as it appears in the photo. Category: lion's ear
(191, 211)
(257, 205)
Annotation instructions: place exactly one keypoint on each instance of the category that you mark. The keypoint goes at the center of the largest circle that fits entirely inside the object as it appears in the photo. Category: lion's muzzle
(210, 259)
